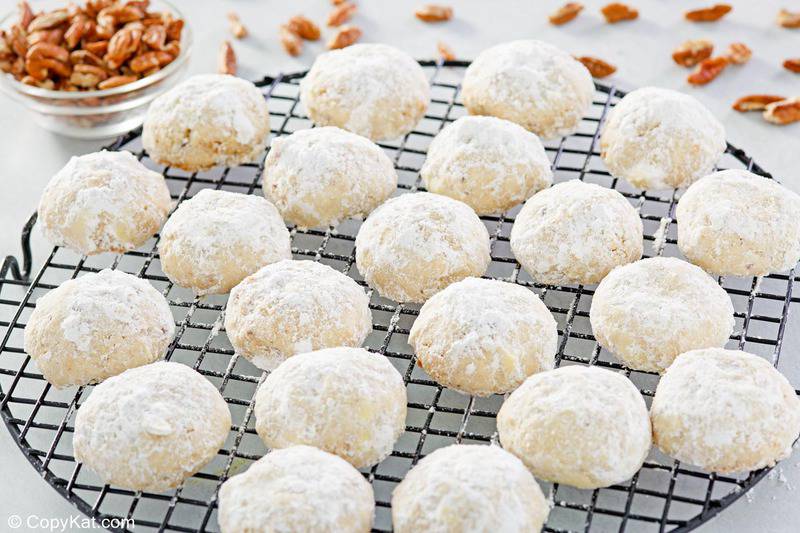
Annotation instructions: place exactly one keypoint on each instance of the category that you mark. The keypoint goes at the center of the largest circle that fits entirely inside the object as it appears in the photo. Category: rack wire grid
(664, 495)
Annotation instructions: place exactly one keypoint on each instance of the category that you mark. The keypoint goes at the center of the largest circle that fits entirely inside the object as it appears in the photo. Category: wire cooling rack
(664, 495)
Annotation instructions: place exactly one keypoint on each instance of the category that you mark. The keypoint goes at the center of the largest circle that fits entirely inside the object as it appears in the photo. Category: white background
(641, 50)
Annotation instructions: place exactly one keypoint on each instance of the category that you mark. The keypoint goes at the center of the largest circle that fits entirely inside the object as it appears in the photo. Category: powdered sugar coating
(599, 413)
(207, 120)
(659, 138)
(483, 336)
(576, 232)
(96, 326)
(415, 245)
(342, 400)
(103, 202)
(488, 163)
(540, 87)
(291, 307)
(297, 489)
(481, 489)
(217, 238)
(320, 176)
(151, 427)
(373, 90)
(725, 411)
(734, 222)
(649, 312)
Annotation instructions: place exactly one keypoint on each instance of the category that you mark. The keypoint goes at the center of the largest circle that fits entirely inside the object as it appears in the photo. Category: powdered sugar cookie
(96, 326)
(103, 202)
(488, 163)
(373, 90)
(533, 83)
(151, 427)
(320, 176)
(217, 238)
(207, 120)
(658, 139)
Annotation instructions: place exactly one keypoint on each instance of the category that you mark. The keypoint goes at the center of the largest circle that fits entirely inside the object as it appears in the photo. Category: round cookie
(103, 202)
(576, 232)
(649, 312)
(483, 337)
(488, 163)
(415, 245)
(374, 90)
(291, 307)
(660, 139)
(217, 238)
(737, 223)
(151, 427)
(96, 326)
(533, 83)
(600, 414)
(481, 489)
(321, 176)
(345, 401)
(205, 121)
(725, 411)
(299, 489)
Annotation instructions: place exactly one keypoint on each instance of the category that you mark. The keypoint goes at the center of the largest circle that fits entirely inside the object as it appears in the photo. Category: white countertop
(641, 50)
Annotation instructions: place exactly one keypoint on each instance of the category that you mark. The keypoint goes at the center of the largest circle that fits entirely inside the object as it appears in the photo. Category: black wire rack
(664, 495)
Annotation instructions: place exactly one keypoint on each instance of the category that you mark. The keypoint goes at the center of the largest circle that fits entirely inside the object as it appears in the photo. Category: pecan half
(87, 76)
(25, 14)
(792, 64)
(692, 52)
(85, 57)
(617, 12)
(788, 19)
(303, 28)
(565, 13)
(290, 41)
(45, 21)
(341, 14)
(708, 14)
(445, 52)
(53, 36)
(707, 70)
(122, 45)
(97, 47)
(174, 30)
(78, 28)
(155, 36)
(755, 102)
(783, 112)
(597, 67)
(149, 61)
(739, 53)
(346, 36)
(434, 13)
(116, 81)
(237, 28)
(226, 61)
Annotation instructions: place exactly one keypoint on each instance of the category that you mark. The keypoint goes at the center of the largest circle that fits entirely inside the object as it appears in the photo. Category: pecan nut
(783, 112)
(341, 14)
(434, 13)
(290, 41)
(565, 13)
(155, 36)
(739, 53)
(122, 45)
(346, 36)
(707, 70)
(116, 81)
(597, 67)
(87, 76)
(692, 52)
(792, 64)
(788, 19)
(708, 14)
(445, 52)
(755, 102)
(226, 61)
(237, 28)
(303, 28)
(45, 21)
(617, 12)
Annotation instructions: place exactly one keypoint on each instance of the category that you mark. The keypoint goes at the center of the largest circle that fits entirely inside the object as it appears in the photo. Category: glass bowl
(102, 113)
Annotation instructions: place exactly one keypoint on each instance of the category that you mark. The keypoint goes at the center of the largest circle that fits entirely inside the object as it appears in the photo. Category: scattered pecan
(341, 14)
(617, 12)
(346, 36)
(788, 19)
(237, 28)
(792, 64)
(692, 52)
(755, 102)
(445, 52)
(226, 60)
(434, 13)
(565, 13)
(783, 112)
(739, 53)
(708, 14)
(303, 28)
(290, 41)
(707, 70)
(597, 67)
(116, 81)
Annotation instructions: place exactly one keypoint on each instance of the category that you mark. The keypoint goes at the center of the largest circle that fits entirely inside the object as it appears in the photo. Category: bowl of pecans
(89, 71)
